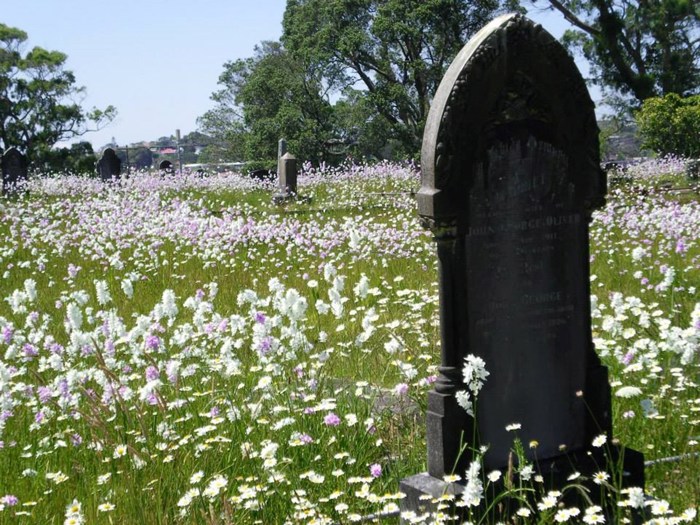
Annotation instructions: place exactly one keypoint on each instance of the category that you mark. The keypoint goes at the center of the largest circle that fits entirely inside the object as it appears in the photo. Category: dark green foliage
(671, 125)
(37, 107)
(78, 159)
(636, 49)
(396, 50)
(267, 97)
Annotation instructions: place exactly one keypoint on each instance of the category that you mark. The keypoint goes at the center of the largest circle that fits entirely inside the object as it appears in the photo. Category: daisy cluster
(113, 384)
(646, 315)
(177, 349)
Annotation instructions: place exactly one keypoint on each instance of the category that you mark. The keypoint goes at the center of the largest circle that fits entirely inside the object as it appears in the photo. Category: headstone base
(283, 198)
(424, 493)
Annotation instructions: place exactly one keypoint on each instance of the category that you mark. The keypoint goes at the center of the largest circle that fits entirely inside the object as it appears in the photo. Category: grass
(255, 390)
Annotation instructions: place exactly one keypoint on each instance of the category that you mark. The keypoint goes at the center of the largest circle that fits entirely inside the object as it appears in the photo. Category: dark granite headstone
(286, 178)
(14, 170)
(109, 167)
(510, 177)
(166, 167)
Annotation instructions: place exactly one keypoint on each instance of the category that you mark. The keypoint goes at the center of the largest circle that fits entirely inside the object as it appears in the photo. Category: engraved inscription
(523, 254)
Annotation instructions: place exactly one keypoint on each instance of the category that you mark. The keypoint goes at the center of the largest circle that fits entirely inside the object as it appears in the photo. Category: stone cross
(286, 178)
(109, 167)
(14, 170)
(510, 177)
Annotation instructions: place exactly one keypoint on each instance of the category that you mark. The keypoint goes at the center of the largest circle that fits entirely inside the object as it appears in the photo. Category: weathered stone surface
(286, 178)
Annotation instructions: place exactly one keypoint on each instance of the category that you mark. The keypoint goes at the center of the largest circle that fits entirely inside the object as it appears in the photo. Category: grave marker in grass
(166, 167)
(14, 171)
(109, 167)
(510, 176)
(286, 178)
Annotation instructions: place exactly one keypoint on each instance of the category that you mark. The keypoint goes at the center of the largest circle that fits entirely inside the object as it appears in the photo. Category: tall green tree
(396, 50)
(267, 97)
(78, 159)
(363, 132)
(671, 125)
(636, 48)
(39, 100)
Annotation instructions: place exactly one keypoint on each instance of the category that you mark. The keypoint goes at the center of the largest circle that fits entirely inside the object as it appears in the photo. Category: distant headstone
(166, 167)
(262, 174)
(109, 167)
(286, 178)
(14, 170)
(510, 176)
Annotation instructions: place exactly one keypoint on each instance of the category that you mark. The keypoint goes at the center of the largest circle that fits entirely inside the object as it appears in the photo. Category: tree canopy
(396, 50)
(39, 100)
(636, 48)
(267, 97)
(671, 125)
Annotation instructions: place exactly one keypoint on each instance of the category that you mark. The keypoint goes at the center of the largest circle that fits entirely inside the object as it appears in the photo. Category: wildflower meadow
(181, 350)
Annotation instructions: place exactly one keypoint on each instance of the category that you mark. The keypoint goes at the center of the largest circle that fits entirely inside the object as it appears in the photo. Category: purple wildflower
(44, 394)
(73, 270)
(9, 500)
(332, 420)
(30, 350)
(152, 373)
(401, 389)
(264, 346)
(375, 470)
(7, 334)
(152, 342)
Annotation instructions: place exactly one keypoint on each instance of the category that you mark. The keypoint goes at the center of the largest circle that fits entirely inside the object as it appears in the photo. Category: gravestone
(286, 178)
(166, 167)
(14, 171)
(510, 176)
(109, 167)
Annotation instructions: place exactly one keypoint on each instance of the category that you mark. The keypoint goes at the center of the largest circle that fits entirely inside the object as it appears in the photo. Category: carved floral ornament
(511, 72)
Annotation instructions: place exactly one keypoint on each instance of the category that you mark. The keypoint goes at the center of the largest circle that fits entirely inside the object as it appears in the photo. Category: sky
(156, 61)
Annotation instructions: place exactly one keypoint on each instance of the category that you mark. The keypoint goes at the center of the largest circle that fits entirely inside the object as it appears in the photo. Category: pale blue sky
(156, 61)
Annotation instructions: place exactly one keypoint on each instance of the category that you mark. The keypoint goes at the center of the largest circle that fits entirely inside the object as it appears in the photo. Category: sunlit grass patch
(184, 350)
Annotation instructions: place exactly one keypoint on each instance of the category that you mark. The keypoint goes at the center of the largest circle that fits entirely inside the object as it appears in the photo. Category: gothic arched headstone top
(109, 167)
(14, 169)
(512, 86)
(166, 166)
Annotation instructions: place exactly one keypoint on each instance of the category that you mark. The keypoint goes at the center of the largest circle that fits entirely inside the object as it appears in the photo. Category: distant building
(165, 151)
